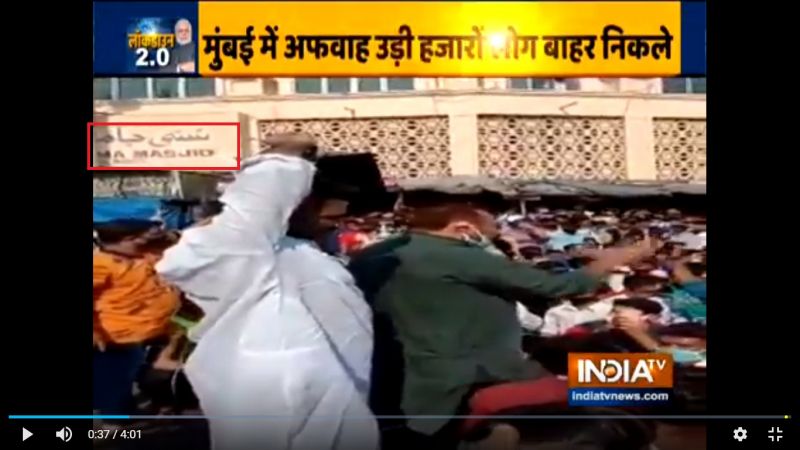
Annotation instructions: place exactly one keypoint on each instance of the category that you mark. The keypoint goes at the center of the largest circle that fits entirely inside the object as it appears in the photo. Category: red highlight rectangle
(89, 145)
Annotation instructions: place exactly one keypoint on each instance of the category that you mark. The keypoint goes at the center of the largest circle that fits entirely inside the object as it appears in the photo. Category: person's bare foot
(502, 437)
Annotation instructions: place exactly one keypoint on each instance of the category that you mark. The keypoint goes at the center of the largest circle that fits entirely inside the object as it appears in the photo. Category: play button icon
(26, 434)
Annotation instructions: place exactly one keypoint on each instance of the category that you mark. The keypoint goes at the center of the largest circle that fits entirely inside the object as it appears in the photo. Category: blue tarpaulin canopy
(175, 214)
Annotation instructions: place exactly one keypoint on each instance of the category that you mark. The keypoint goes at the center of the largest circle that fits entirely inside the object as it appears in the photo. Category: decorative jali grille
(557, 148)
(134, 184)
(188, 185)
(405, 147)
(680, 147)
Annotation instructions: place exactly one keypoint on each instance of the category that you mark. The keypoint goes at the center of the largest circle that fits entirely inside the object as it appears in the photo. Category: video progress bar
(501, 417)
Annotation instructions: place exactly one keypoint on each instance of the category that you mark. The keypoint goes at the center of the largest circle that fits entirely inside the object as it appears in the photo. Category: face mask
(330, 243)
(682, 356)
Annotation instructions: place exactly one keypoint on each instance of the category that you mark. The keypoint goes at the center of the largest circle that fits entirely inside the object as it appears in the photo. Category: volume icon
(65, 434)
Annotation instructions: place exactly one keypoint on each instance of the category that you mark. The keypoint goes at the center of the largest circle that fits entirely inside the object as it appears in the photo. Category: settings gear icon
(740, 434)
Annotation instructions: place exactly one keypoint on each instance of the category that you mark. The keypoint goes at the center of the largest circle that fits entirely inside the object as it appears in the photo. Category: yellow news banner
(439, 39)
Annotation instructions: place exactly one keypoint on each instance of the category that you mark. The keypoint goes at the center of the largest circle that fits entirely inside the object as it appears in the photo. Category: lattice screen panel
(405, 147)
(156, 184)
(556, 148)
(680, 147)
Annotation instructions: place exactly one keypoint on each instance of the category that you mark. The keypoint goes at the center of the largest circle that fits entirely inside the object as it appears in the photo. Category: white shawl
(286, 341)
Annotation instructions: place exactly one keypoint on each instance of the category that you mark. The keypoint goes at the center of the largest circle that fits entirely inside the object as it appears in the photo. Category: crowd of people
(666, 289)
(404, 320)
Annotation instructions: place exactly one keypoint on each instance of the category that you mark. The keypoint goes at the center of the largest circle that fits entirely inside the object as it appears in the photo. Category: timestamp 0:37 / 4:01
(115, 434)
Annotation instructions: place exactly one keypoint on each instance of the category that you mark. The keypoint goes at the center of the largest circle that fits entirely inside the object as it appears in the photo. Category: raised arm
(215, 264)
(521, 282)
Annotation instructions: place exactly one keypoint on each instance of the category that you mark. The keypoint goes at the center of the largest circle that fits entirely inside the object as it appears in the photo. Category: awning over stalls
(175, 214)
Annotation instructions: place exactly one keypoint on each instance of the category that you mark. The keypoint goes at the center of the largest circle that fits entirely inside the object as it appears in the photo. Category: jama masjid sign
(196, 146)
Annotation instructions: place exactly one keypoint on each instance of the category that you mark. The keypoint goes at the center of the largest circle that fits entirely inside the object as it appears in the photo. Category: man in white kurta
(284, 351)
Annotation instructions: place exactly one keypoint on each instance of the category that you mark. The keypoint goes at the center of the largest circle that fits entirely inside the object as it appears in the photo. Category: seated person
(576, 310)
(652, 285)
(640, 311)
(635, 317)
(643, 308)
(598, 336)
(686, 295)
(689, 275)
(690, 336)
(570, 233)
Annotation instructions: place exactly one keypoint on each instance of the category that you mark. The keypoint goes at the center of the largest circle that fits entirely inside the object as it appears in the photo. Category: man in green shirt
(445, 311)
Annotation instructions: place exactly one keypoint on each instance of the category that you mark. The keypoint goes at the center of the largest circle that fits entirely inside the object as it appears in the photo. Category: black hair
(552, 266)
(118, 230)
(504, 247)
(635, 233)
(696, 268)
(656, 231)
(530, 252)
(209, 209)
(667, 248)
(573, 223)
(634, 282)
(644, 305)
(679, 227)
(579, 261)
(691, 330)
(582, 299)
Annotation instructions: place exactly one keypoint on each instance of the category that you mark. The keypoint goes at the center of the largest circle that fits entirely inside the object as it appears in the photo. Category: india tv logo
(619, 378)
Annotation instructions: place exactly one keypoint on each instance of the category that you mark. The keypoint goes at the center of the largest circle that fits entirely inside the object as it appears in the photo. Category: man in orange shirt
(132, 307)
